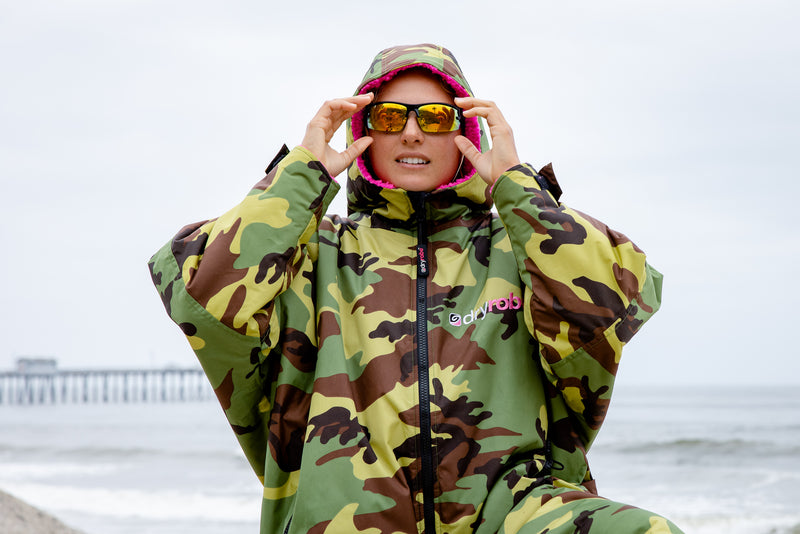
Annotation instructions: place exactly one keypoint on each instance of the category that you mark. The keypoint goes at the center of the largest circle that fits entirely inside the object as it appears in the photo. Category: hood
(366, 192)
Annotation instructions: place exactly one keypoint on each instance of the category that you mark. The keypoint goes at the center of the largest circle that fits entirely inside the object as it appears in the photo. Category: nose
(411, 132)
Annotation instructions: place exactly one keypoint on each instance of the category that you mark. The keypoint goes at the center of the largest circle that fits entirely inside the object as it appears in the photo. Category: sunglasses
(432, 118)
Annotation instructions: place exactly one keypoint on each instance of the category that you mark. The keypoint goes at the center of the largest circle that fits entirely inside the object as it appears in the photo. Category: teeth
(413, 161)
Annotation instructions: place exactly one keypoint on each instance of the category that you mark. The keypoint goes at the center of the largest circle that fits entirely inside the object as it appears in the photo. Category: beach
(711, 459)
(19, 517)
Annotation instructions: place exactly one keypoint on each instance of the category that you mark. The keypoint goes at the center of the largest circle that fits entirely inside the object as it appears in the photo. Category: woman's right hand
(503, 154)
(328, 119)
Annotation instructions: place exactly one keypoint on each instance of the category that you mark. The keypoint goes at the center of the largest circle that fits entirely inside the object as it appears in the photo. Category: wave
(110, 452)
(795, 529)
(721, 447)
(150, 505)
(714, 523)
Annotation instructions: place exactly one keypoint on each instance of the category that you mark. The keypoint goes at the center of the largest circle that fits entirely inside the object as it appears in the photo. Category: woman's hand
(503, 154)
(328, 119)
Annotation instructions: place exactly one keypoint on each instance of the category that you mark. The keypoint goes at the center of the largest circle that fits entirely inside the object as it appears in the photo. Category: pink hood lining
(472, 130)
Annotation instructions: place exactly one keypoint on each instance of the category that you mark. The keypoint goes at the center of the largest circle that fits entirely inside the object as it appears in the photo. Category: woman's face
(412, 159)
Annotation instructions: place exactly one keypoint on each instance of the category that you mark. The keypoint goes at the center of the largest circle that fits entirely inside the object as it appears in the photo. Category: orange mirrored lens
(387, 117)
(436, 118)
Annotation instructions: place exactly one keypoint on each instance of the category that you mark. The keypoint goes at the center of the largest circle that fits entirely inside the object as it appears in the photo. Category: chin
(417, 183)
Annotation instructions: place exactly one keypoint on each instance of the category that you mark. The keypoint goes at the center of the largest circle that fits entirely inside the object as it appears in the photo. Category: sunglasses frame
(414, 108)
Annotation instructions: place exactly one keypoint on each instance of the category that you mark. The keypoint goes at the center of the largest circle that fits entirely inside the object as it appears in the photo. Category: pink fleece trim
(472, 130)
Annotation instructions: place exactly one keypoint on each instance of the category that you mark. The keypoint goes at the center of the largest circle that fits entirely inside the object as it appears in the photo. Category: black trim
(282, 153)
(547, 180)
(423, 377)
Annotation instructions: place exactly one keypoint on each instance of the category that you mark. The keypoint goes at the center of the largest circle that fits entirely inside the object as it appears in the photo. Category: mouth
(412, 161)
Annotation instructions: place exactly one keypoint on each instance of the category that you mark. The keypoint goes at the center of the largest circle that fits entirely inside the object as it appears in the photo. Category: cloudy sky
(674, 122)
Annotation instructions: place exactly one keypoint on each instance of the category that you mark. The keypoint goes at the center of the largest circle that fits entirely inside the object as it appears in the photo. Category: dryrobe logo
(422, 263)
(494, 305)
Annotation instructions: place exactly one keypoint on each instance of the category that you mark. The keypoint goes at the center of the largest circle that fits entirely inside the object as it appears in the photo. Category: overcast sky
(676, 123)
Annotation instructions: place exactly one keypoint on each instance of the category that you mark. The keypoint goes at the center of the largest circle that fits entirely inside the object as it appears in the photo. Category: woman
(423, 365)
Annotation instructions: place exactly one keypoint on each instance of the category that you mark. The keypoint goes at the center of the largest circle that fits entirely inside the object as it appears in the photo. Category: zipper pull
(422, 260)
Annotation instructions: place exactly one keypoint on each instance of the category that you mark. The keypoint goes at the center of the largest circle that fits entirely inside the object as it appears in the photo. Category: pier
(104, 386)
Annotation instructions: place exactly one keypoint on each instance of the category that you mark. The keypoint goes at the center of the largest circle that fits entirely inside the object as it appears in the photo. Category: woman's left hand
(503, 154)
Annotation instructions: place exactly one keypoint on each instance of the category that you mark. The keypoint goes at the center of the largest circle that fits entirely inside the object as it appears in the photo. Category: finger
(363, 100)
(330, 116)
(349, 104)
(498, 125)
(468, 102)
(341, 106)
(342, 160)
(484, 112)
(469, 150)
(478, 107)
(491, 114)
(335, 112)
(328, 120)
(357, 148)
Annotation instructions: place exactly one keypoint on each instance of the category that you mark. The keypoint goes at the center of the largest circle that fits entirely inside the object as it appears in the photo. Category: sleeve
(224, 281)
(588, 290)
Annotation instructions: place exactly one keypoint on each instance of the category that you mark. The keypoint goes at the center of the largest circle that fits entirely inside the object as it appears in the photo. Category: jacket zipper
(428, 478)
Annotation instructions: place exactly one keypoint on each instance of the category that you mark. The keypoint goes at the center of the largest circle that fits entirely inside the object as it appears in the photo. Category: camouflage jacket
(422, 362)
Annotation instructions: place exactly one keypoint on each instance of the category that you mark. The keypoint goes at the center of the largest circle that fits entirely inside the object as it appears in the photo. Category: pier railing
(104, 386)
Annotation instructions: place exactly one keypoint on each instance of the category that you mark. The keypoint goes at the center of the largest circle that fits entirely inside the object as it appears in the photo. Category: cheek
(379, 154)
(377, 150)
(449, 150)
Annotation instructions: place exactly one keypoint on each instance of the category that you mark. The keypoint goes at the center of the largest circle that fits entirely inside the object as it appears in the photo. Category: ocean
(712, 459)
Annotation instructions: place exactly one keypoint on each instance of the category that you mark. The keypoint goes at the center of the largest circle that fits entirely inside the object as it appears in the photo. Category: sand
(18, 517)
